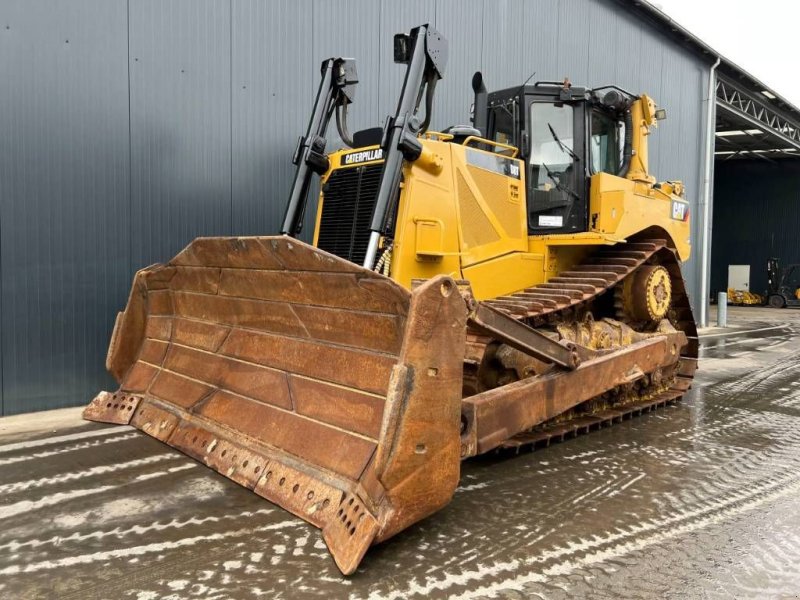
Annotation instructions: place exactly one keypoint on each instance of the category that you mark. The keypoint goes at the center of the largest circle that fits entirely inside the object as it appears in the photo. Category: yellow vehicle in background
(744, 298)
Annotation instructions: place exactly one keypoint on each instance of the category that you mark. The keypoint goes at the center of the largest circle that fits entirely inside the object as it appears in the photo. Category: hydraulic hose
(341, 124)
(429, 91)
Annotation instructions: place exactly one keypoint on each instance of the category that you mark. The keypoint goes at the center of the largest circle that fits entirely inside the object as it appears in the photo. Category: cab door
(557, 183)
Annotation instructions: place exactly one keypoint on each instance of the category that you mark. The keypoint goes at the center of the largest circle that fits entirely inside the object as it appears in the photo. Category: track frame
(533, 411)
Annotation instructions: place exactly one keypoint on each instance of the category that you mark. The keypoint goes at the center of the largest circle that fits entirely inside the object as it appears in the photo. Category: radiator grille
(348, 203)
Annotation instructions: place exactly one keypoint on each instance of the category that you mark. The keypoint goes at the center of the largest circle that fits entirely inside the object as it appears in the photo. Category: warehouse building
(130, 127)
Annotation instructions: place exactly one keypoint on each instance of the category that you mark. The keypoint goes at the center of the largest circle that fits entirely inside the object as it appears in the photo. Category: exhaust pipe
(480, 104)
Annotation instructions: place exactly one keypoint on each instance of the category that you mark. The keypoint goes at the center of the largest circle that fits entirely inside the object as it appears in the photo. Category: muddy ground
(699, 500)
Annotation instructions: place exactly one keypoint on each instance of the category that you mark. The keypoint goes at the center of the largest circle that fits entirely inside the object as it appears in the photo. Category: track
(572, 293)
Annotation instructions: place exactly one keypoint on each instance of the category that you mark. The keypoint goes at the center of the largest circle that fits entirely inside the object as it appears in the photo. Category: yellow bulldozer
(492, 286)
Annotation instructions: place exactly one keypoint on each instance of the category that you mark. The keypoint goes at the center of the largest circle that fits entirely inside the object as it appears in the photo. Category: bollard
(722, 310)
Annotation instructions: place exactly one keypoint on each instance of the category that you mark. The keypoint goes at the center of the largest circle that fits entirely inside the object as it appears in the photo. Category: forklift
(783, 285)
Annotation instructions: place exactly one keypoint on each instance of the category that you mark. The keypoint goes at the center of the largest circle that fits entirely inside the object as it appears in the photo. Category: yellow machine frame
(459, 218)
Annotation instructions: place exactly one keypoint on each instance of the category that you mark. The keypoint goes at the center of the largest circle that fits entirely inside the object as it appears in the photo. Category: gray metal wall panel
(270, 106)
(180, 124)
(461, 22)
(571, 47)
(541, 22)
(63, 188)
(504, 27)
(630, 72)
(602, 41)
(678, 148)
(628, 53)
(651, 58)
(351, 28)
(690, 161)
(756, 217)
(219, 92)
(394, 18)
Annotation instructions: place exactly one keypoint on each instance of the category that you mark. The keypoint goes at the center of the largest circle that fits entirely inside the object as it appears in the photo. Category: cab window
(606, 143)
(551, 137)
(502, 124)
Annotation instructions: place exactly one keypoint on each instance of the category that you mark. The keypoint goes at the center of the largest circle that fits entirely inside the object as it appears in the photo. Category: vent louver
(348, 204)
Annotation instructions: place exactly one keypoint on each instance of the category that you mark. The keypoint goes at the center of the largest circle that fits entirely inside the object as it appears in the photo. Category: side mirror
(661, 114)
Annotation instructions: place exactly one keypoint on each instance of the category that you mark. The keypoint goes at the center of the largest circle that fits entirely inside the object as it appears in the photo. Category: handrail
(437, 136)
(475, 139)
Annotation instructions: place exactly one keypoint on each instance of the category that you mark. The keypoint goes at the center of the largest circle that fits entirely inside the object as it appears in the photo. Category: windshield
(550, 124)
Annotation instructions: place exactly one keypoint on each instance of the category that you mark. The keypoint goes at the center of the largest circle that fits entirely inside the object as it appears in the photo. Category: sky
(761, 36)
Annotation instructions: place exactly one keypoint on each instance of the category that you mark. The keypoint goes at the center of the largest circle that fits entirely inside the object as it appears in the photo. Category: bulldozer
(492, 286)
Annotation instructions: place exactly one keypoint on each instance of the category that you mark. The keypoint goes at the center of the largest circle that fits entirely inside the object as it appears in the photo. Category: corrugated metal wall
(65, 232)
(129, 127)
(756, 217)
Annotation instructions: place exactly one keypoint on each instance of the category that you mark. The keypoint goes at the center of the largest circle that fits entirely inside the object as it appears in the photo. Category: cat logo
(362, 156)
(680, 210)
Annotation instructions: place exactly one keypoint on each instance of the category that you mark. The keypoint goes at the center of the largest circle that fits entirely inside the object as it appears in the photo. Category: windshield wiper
(559, 186)
(561, 144)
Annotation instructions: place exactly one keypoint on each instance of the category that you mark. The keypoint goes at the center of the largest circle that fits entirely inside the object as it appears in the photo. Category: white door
(739, 277)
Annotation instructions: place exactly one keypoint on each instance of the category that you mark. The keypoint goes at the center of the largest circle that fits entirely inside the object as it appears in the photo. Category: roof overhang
(748, 127)
(753, 120)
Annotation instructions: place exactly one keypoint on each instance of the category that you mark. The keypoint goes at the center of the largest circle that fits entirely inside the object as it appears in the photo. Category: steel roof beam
(739, 103)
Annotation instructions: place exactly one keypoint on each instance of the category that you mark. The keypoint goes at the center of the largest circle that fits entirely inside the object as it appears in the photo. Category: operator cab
(564, 134)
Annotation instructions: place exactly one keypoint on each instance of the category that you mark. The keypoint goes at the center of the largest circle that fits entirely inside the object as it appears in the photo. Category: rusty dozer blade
(323, 387)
